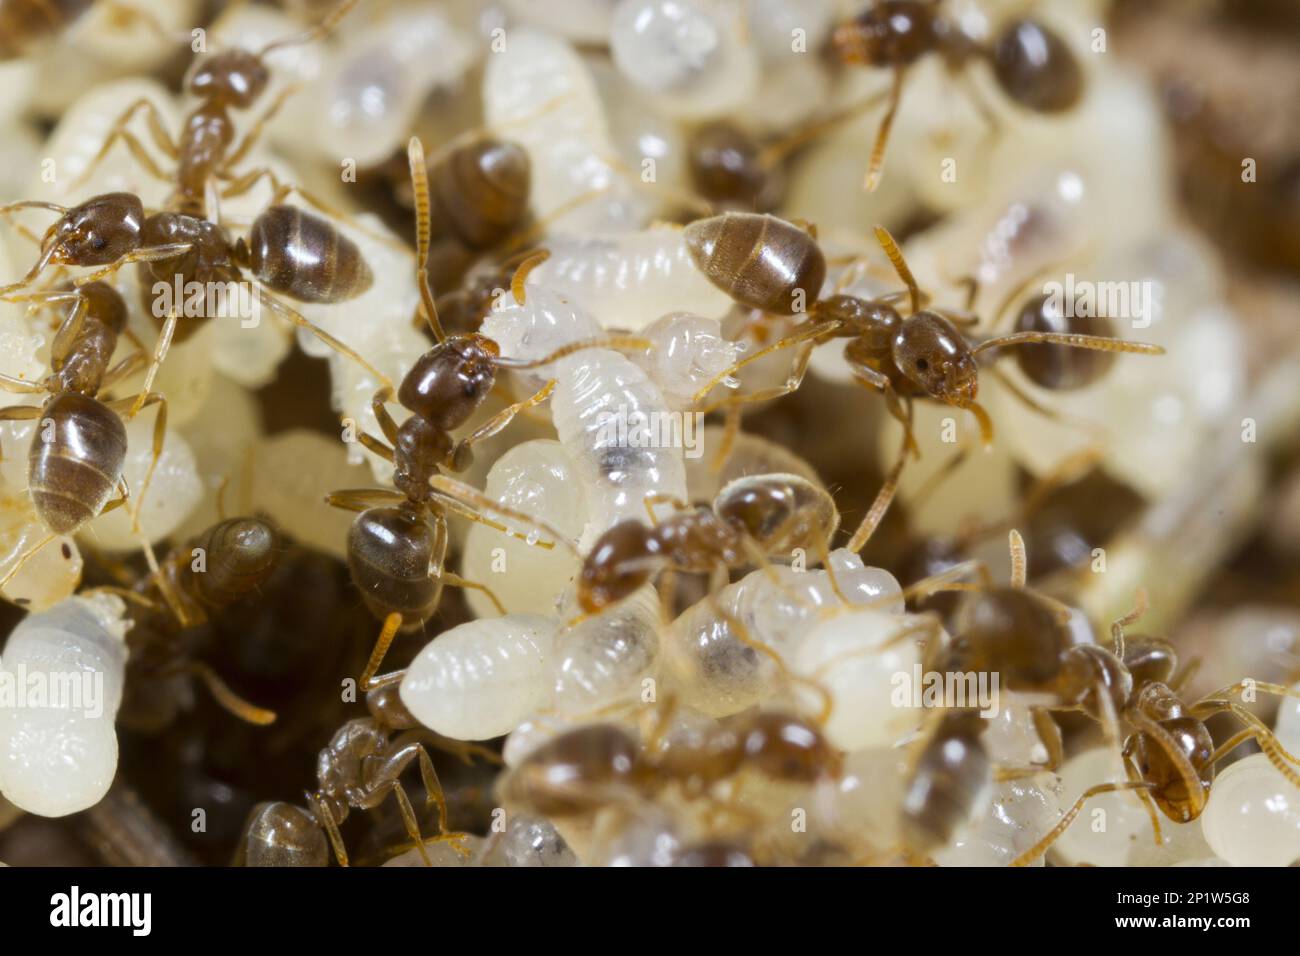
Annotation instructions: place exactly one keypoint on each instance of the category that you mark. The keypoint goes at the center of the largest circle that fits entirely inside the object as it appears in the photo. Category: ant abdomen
(888, 33)
(950, 777)
(482, 191)
(390, 551)
(305, 257)
(1011, 630)
(1036, 68)
(1060, 367)
(280, 834)
(241, 554)
(761, 261)
(75, 460)
(574, 774)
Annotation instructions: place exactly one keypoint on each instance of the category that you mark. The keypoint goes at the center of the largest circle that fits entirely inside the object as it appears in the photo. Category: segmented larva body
(538, 92)
(536, 478)
(721, 672)
(49, 575)
(483, 678)
(629, 280)
(602, 399)
(59, 755)
(688, 352)
(545, 322)
(603, 661)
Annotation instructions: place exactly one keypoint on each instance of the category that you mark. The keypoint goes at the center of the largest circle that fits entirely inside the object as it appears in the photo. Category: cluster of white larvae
(825, 643)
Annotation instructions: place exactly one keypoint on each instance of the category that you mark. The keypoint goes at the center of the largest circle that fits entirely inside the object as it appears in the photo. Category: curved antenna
(318, 32)
(900, 265)
(420, 189)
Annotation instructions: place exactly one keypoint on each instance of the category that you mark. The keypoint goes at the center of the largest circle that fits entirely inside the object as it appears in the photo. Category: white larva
(1253, 815)
(629, 280)
(776, 26)
(58, 756)
(688, 351)
(855, 657)
(580, 21)
(536, 478)
(528, 841)
(605, 660)
(50, 574)
(538, 92)
(545, 322)
(482, 679)
(1015, 817)
(691, 54)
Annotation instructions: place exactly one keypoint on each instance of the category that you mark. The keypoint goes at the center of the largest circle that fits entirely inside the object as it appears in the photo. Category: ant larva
(772, 265)
(398, 543)
(358, 769)
(1032, 65)
(26, 25)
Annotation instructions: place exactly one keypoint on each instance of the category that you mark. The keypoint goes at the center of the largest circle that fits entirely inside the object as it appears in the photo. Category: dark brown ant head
(1060, 367)
(930, 351)
(622, 560)
(230, 78)
(99, 231)
(1036, 68)
(447, 383)
(787, 748)
(873, 321)
(888, 33)
(1087, 669)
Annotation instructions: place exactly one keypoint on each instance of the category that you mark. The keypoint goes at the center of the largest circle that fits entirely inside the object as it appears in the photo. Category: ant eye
(922, 364)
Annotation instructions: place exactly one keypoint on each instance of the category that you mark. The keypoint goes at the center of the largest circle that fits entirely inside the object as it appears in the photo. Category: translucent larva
(441, 853)
(1011, 821)
(855, 657)
(688, 352)
(629, 280)
(604, 660)
(538, 88)
(546, 321)
(50, 574)
(484, 678)
(529, 841)
(536, 478)
(1253, 816)
(693, 56)
(58, 750)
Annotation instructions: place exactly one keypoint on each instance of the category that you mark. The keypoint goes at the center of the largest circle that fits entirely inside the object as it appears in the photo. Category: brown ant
(229, 561)
(358, 769)
(749, 519)
(79, 448)
(398, 543)
(772, 265)
(1031, 64)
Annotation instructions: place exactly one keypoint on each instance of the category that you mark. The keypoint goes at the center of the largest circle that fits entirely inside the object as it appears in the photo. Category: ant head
(448, 382)
(1151, 660)
(888, 33)
(232, 77)
(621, 561)
(930, 351)
(99, 231)
(1087, 671)
(1035, 68)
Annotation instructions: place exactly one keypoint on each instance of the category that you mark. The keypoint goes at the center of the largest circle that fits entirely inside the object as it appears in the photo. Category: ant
(588, 768)
(772, 265)
(398, 542)
(362, 764)
(79, 448)
(229, 561)
(1032, 65)
(749, 519)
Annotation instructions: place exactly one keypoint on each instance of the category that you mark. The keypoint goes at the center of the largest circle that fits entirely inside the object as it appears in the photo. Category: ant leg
(410, 822)
(157, 131)
(124, 369)
(884, 498)
(227, 698)
(148, 254)
(792, 383)
(1144, 724)
(255, 131)
(138, 153)
(379, 406)
(656, 498)
(731, 417)
(20, 413)
(1041, 847)
(359, 499)
(1098, 343)
(159, 436)
(456, 581)
(1250, 683)
(321, 30)
(458, 458)
(374, 445)
(1049, 735)
(1019, 562)
(877, 163)
(401, 752)
(472, 503)
(1277, 755)
(392, 624)
(809, 330)
(300, 320)
(1148, 803)
(326, 819)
